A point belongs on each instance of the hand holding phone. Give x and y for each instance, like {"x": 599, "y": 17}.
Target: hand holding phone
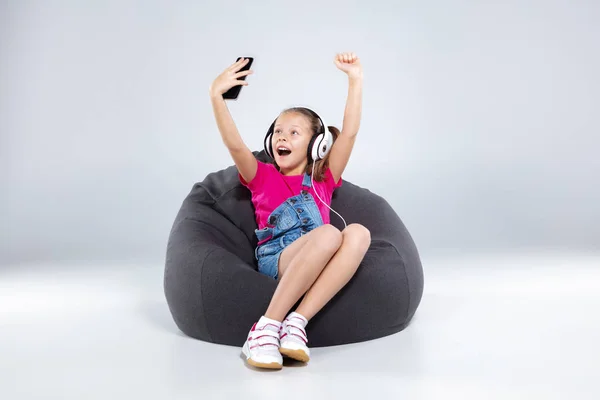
{"x": 229, "y": 83}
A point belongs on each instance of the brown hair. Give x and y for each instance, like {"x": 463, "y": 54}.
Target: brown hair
{"x": 321, "y": 165}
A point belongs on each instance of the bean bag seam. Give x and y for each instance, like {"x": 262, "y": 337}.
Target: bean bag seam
{"x": 215, "y": 198}
{"x": 408, "y": 308}
{"x": 202, "y": 294}
{"x": 216, "y": 201}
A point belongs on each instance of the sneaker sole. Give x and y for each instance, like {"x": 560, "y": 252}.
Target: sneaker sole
{"x": 298, "y": 355}
{"x": 250, "y": 361}
{"x": 272, "y": 365}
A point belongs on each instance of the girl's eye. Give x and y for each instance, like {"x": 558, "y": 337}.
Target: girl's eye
{"x": 278, "y": 131}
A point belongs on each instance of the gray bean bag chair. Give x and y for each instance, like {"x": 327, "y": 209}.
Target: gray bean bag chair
{"x": 215, "y": 293}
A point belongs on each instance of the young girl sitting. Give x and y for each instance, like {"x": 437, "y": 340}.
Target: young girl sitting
{"x": 297, "y": 245}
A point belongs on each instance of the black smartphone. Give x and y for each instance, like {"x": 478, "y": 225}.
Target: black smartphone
{"x": 234, "y": 92}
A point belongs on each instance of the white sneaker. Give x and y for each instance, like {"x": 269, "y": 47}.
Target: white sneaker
{"x": 293, "y": 339}
{"x": 262, "y": 346}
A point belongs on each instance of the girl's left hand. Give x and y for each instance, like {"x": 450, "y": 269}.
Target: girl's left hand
{"x": 349, "y": 63}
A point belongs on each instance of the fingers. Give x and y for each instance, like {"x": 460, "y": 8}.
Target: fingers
{"x": 243, "y": 73}
{"x": 238, "y": 64}
{"x": 346, "y": 57}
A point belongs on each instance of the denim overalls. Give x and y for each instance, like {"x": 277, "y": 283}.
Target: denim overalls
{"x": 293, "y": 218}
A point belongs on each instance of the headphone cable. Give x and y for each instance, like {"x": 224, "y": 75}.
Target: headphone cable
{"x": 319, "y": 197}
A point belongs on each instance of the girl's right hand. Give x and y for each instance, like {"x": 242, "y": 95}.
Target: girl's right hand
{"x": 229, "y": 78}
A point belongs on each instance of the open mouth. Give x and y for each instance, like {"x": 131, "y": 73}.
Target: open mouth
{"x": 283, "y": 151}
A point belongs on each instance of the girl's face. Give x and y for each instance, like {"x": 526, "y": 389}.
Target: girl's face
{"x": 291, "y": 136}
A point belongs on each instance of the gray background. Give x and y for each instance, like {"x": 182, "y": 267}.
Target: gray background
{"x": 480, "y": 123}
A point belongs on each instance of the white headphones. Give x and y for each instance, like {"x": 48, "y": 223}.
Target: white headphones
{"x": 318, "y": 147}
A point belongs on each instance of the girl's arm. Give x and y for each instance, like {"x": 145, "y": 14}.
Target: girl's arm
{"x": 340, "y": 152}
{"x": 242, "y": 156}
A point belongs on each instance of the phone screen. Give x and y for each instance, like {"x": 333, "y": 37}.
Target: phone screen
{"x": 234, "y": 92}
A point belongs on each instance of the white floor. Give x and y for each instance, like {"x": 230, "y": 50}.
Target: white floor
{"x": 510, "y": 327}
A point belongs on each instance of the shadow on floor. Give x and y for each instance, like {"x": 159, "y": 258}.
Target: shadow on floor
{"x": 157, "y": 314}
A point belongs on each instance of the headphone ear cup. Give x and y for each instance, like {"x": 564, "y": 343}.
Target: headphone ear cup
{"x": 322, "y": 145}
{"x": 311, "y": 148}
{"x": 268, "y": 144}
{"x": 328, "y": 142}
{"x": 317, "y": 147}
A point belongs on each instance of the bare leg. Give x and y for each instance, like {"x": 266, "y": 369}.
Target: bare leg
{"x": 356, "y": 240}
{"x": 311, "y": 253}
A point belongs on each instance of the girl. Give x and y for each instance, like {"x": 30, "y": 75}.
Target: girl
{"x": 297, "y": 245}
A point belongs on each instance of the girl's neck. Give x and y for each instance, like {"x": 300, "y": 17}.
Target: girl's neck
{"x": 299, "y": 170}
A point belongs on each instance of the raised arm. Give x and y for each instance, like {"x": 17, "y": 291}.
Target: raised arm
{"x": 340, "y": 152}
{"x": 242, "y": 156}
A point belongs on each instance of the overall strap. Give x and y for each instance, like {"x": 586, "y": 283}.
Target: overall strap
{"x": 306, "y": 180}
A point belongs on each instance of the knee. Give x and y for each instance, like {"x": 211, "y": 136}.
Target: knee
{"x": 357, "y": 236}
{"x": 330, "y": 238}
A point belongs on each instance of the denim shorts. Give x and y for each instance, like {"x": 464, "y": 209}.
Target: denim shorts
{"x": 295, "y": 217}
{"x": 268, "y": 253}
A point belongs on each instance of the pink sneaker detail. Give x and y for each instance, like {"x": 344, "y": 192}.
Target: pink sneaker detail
{"x": 262, "y": 346}
{"x": 293, "y": 338}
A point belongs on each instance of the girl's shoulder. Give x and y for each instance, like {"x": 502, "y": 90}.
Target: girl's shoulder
{"x": 263, "y": 172}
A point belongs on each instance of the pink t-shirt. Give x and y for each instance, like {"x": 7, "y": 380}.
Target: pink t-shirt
{"x": 269, "y": 190}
